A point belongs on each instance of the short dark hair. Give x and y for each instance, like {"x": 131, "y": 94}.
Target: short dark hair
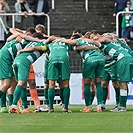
{"x": 75, "y": 36}
{"x": 77, "y": 30}
{"x": 31, "y": 30}
{"x": 38, "y": 35}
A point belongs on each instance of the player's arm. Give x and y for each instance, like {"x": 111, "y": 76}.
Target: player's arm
{"x": 104, "y": 40}
{"x": 15, "y": 30}
{"x": 86, "y": 48}
{"x": 29, "y": 38}
{"x": 96, "y": 43}
{"x": 50, "y": 39}
{"x": 12, "y": 37}
{"x": 68, "y": 41}
{"x": 31, "y": 49}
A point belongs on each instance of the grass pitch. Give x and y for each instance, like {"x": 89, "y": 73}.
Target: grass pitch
{"x": 105, "y": 122}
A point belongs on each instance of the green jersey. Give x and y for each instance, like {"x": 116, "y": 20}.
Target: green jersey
{"x": 126, "y": 47}
{"x": 31, "y": 56}
{"x": 11, "y": 48}
{"x": 59, "y": 49}
{"x": 87, "y": 53}
{"x": 113, "y": 50}
{"x": 46, "y": 61}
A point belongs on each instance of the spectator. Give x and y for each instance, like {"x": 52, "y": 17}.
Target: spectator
{"x": 126, "y": 21}
{"x": 119, "y": 6}
{"x": 42, "y": 7}
{"x": 3, "y": 9}
{"x": 21, "y": 6}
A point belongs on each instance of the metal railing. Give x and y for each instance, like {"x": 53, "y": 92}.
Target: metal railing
{"x": 3, "y": 25}
{"x": 13, "y": 19}
{"x": 117, "y": 20}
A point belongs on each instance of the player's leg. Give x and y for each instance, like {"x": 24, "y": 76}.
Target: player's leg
{"x": 61, "y": 94}
{"x": 117, "y": 94}
{"x": 51, "y": 94}
{"x": 123, "y": 65}
{"x": 53, "y": 75}
{"x": 5, "y": 85}
{"x": 4, "y": 108}
{"x": 93, "y": 90}
{"x": 10, "y": 91}
{"x": 21, "y": 73}
{"x": 88, "y": 70}
{"x": 33, "y": 90}
{"x": 66, "y": 94}
{"x": 17, "y": 94}
{"x": 105, "y": 93}
{"x": 87, "y": 94}
{"x": 99, "y": 94}
{"x": 64, "y": 76}
{"x": 98, "y": 78}
{"x": 46, "y": 101}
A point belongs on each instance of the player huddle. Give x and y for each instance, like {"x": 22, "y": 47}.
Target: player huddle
{"x": 105, "y": 57}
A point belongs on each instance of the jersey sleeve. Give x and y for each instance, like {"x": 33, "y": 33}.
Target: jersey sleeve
{"x": 44, "y": 48}
{"x": 24, "y": 42}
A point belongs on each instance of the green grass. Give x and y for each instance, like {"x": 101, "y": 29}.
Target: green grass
{"x": 106, "y": 122}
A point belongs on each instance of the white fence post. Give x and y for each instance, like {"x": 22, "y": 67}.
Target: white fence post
{"x": 53, "y": 4}
{"x": 86, "y": 5}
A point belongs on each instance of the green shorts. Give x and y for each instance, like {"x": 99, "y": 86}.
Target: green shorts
{"x": 93, "y": 67}
{"x": 124, "y": 69}
{"x": 109, "y": 73}
{"x": 59, "y": 68}
{"x": 6, "y": 70}
{"x": 21, "y": 69}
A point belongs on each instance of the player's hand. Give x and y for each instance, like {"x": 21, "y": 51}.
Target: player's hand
{"x": 19, "y": 38}
{"x": 23, "y": 36}
{"x": 19, "y": 52}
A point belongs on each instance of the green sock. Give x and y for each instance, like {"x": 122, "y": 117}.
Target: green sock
{"x": 127, "y": 90}
{"x": 105, "y": 94}
{"x": 99, "y": 93}
{"x": 24, "y": 98}
{"x": 87, "y": 94}
{"x": 3, "y": 100}
{"x": 92, "y": 96}
{"x": 17, "y": 94}
{"x": 46, "y": 96}
{"x": 10, "y": 98}
{"x": 123, "y": 98}
{"x": 1, "y": 93}
{"x": 117, "y": 95}
{"x": 66, "y": 95}
{"x": 61, "y": 95}
{"x": 51, "y": 94}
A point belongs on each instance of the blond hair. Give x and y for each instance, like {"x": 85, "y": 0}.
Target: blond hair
{"x": 40, "y": 28}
